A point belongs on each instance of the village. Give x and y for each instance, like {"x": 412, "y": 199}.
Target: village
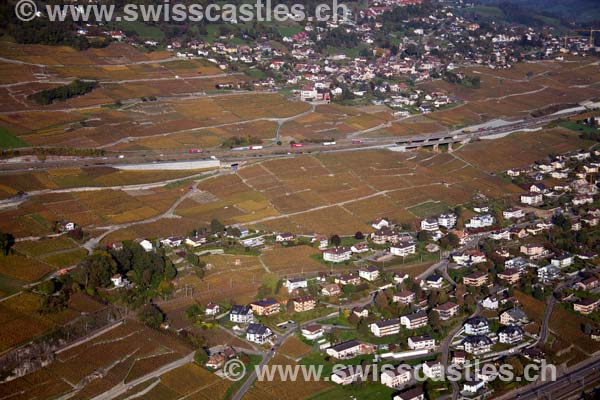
{"x": 352, "y": 61}
{"x": 464, "y": 308}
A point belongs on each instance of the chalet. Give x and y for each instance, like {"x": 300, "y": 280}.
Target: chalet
{"x": 477, "y": 344}
{"x": 532, "y": 249}
{"x": 370, "y": 273}
{"x": 476, "y": 279}
{"x": 586, "y": 306}
{"x": 117, "y": 280}
{"x": 350, "y": 349}
{"x": 305, "y": 303}
{"x": 510, "y": 275}
{"x": 518, "y": 263}
{"x": 433, "y": 369}
{"x": 411, "y": 394}
{"x": 548, "y": 273}
{"x": 424, "y": 342}
{"x": 434, "y": 282}
{"x": 414, "y": 321}
{"x": 459, "y": 357}
{"x": 481, "y": 209}
{"x": 404, "y": 297}
{"x": 253, "y": 242}
{"x": 295, "y": 284}
{"x": 258, "y": 333}
{"x": 241, "y": 314}
{"x": 312, "y": 332}
{"x": 500, "y": 235}
{"x": 520, "y": 233}
{"x": 476, "y": 326}
{"x": 490, "y": 303}
{"x": 513, "y": 213}
{"x": 285, "y": 237}
{"x": 582, "y": 199}
{"x": 380, "y": 223}
{"x": 337, "y": 254}
{"x": 447, "y": 310}
{"x": 196, "y": 241}
{"x": 345, "y": 376}
{"x": 348, "y": 279}
{"x": 146, "y": 245}
{"x": 321, "y": 240}
{"x": 588, "y": 284}
{"x": 360, "y": 311}
{"x": 590, "y": 219}
{"x": 359, "y": 248}
{"x": 384, "y": 235}
{"x": 403, "y": 249}
{"x": 511, "y": 334}
{"x": 212, "y": 309}
{"x": 385, "y": 328}
{"x": 331, "y": 290}
{"x": 532, "y": 199}
{"x": 513, "y": 316}
{"x": 397, "y": 377}
{"x": 473, "y": 386}
{"x": 173, "y": 241}
{"x": 265, "y": 307}
{"x": 480, "y": 221}
{"x": 562, "y": 261}
{"x": 215, "y": 361}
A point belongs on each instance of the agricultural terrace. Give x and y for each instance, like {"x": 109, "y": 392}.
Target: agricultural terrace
{"x": 126, "y": 353}
{"x": 518, "y": 91}
{"x": 22, "y": 320}
{"x": 288, "y": 390}
{"x": 13, "y": 183}
{"x": 173, "y": 123}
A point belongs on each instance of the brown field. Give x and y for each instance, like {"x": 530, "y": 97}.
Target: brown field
{"x": 126, "y": 349}
{"x": 22, "y": 322}
{"x": 278, "y": 390}
{"x": 292, "y": 260}
{"x": 295, "y": 348}
{"x": 24, "y": 269}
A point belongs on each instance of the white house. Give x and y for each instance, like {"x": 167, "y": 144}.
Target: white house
{"x": 430, "y": 224}
{"x": 414, "y": 321}
{"x": 241, "y": 314}
{"x": 448, "y": 220}
{"x": 424, "y": 342}
{"x": 312, "y": 332}
{"x": 380, "y": 223}
{"x": 345, "y": 376}
{"x": 511, "y": 334}
{"x": 480, "y": 221}
{"x": 562, "y": 261}
{"x": 369, "y": 273}
{"x": 513, "y": 213}
{"x": 258, "y": 333}
{"x": 477, "y": 326}
{"x": 433, "y": 369}
{"x": 478, "y": 344}
{"x": 473, "y": 386}
{"x": 295, "y": 283}
{"x": 396, "y": 377}
{"x": 146, "y": 245}
{"x": 403, "y": 249}
{"x": 212, "y": 309}
{"x": 386, "y": 327}
{"x": 349, "y": 349}
{"x": 117, "y": 280}
{"x": 337, "y": 254}
{"x": 532, "y": 198}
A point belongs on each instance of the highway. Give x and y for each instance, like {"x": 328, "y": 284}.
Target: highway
{"x": 116, "y": 159}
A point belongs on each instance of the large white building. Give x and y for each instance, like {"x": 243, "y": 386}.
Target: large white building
{"x": 448, "y": 220}
{"x": 403, "y": 249}
{"x": 337, "y": 254}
